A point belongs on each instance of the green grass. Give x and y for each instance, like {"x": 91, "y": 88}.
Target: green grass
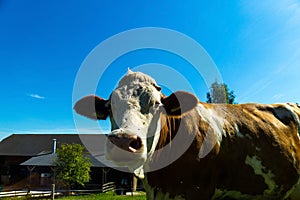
{"x": 105, "y": 196}
{"x": 101, "y": 196}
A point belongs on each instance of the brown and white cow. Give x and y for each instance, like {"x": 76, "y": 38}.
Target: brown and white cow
{"x": 252, "y": 150}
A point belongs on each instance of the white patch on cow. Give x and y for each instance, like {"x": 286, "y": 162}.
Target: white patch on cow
{"x": 215, "y": 131}
{"x": 133, "y": 106}
{"x": 259, "y": 169}
{"x": 139, "y": 172}
{"x": 152, "y": 138}
{"x": 156, "y": 134}
{"x": 297, "y": 120}
{"x": 282, "y": 113}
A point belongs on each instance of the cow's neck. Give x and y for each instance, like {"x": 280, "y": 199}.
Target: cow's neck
{"x": 191, "y": 134}
{"x": 170, "y": 125}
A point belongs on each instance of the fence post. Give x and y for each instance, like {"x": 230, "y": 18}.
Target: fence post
{"x": 53, "y": 192}
{"x": 134, "y": 185}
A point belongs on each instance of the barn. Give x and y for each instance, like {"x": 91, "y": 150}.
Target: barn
{"x": 27, "y": 160}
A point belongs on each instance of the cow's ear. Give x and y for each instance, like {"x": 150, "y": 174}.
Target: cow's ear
{"x": 92, "y": 107}
{"x": 179, "y": 102}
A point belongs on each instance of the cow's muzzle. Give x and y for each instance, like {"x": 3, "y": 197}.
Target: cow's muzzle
{"x": 127, "y": 142}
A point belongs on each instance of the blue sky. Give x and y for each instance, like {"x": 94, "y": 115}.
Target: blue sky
{"x": 255, "y": 45}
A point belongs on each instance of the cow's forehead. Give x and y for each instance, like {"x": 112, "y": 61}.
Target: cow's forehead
{"x": 136, "y": 77}
{"x": 131, "y": 101}
{"x": 133, "y": 85}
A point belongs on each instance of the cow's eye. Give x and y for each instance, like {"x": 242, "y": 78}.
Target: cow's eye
{"x": 138, "y": 91}
{"x": 145, "y": 102}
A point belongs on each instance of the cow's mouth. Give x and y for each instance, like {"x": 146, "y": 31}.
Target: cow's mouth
{"x": 126, "y": 142}
{"x": 124, "y": 149}
{"x": 135, "y": 145}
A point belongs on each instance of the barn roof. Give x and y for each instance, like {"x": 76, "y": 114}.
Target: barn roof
{"x": 38, "y": 144}
{"x": 48, "y": 160}
{"x": 39, "y": 147}
{"x": 43, "y": 160}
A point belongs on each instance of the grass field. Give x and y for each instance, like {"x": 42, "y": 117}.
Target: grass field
{"x": 102, "y": 196}
{"x": 105, "y": 196}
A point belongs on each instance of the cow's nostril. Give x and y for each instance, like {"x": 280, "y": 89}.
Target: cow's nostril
{"x": 136, "y": 143}
{"x": 131, "y": 143}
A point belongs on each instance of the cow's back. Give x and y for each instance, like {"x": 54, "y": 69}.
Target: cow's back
{"x": 258, "y": 156}
{"x": 260, "y": 151}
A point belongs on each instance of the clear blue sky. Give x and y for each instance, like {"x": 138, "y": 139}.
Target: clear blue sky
{"x": 255, "y": 45}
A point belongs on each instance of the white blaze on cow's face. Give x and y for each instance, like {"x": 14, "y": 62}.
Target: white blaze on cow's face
{"x": 133, "y": 105}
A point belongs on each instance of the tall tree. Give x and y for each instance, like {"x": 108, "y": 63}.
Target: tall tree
{"x": 72, "y": 166}
{"x": 219, "y": 93}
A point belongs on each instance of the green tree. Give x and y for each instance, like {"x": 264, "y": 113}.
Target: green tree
{"x": 72, "y": 165}
{"x": 219, "y": 93}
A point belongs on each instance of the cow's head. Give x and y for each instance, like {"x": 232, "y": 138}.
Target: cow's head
{"x": 134, "y": 108}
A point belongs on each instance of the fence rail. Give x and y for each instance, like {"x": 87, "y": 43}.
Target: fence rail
{"x": 111, "y": 186}
{"x": 108, "y": 186}
{"x": 19, "y": 193}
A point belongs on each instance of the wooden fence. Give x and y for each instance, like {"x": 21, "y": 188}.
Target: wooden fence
{"x": 108, "y": 186}
{"x": 47, "y": 193}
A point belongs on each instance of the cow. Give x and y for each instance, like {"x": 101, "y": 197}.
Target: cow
{"x": 185, "y": 149}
